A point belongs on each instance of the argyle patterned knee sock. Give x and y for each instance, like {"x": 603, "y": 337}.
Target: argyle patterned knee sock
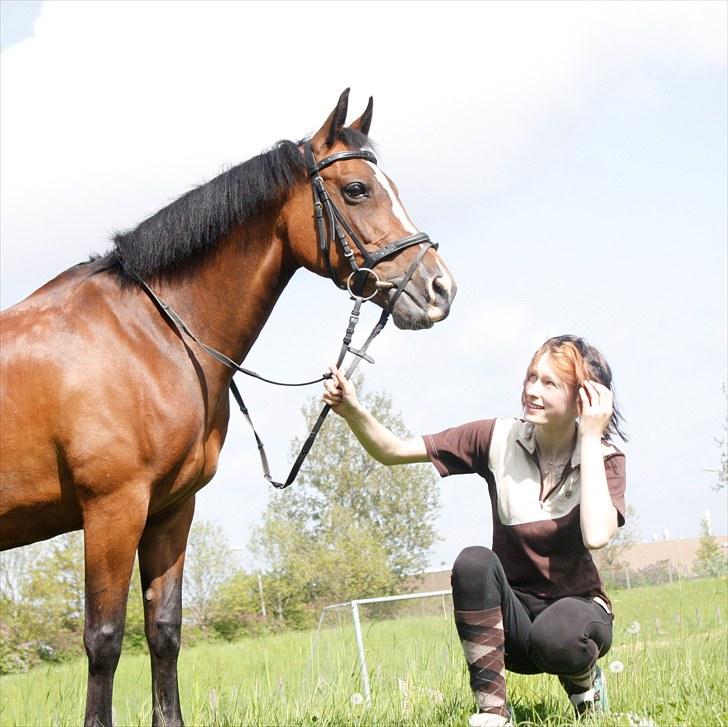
{"x": 482, "y": 638}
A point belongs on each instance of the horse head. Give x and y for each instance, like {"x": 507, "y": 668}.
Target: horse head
{"x": 361, "y": 235}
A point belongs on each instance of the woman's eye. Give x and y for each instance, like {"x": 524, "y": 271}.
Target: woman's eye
{"x": 355, "y": 190}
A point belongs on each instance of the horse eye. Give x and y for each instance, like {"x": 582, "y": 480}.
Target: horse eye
{"x": 355, "y": 190}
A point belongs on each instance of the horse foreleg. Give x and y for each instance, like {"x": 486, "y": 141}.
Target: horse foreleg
{"x": 161, "y": 560}
{"x": 112, "y": 528}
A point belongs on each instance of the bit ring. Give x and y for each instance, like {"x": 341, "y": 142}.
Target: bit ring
{"x": 369, "y": 271}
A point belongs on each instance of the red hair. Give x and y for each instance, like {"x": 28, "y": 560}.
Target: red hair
{"x": 576, "y": 362}
{"x": 566, "y": 359}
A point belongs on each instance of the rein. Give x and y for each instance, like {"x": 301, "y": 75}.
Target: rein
{"x": 331, "y": 226}
{"x": 358, "y": 356}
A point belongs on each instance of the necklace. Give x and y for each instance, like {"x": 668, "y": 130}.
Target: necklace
{"x": 556, "y": 464}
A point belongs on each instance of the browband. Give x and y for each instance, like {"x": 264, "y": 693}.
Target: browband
{"x": 326, "y": 161}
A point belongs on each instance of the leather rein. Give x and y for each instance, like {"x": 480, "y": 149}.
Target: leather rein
{"x": 331, "y": 227}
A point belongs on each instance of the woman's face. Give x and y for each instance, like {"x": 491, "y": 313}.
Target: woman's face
{"x": 548, "y": 398}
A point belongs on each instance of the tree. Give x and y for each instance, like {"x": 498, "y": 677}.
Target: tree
{"x": 349, "y": 527}
{"x": 722, "y": 482}
{"x": 611, "y": 556}
{"x": 611, "y": 559}
{"x": 54, "y": 594}
{"x": 18, "y": 645}
{"x": 42, "y": 604}
{"x": 710, "y": 560}
{"x": 237, "y": 609}
{"x": 305, "y": 570}
{"x": 208, "y": 565}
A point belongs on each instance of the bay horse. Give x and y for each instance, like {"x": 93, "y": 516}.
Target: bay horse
{"x": 112, "y": 419}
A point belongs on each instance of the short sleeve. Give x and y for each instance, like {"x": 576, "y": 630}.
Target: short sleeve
{"x": 461, "y": 450}
{"x": 615, "y": 469}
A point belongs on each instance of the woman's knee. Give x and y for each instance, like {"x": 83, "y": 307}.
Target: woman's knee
{"x": 561, "y": 652}
{"x": 472, "y": 560}
{"x": 567, "y": 639}
{"x": 476, "y": 579}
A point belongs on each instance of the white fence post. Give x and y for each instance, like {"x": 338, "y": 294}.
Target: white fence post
{"x": 362, "y": 657}
{"x": 262, "y": 599}
{"x": 357, "y": 629}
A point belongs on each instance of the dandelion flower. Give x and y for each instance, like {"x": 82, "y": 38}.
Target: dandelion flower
{"x": 616, "y": 667}
{"x": 634, "y": 628}
{"x": 357, "y": 699}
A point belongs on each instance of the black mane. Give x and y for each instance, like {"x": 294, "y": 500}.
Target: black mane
{"x": 193, "y": 223}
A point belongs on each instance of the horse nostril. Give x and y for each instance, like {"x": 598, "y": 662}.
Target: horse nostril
{"x": 441, "y": 288}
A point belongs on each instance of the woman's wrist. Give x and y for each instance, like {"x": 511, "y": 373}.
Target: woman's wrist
{"x": 355, "y": 413}
{"x": 586, "y": 436}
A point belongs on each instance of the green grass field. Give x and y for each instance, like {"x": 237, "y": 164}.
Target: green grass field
{"x": 675, "y": 664}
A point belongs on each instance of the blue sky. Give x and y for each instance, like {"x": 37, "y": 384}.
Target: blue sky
{"x": 18, "y": 18}
{"x": 570, "y": 158}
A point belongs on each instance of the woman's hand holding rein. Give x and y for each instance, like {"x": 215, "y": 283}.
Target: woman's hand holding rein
{"x": 340, "y": 394}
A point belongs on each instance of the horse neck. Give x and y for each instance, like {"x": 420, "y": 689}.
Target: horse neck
{"x": 226, "y": 298}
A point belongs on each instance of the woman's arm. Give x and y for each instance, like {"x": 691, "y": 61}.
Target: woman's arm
{"x": 598, "y": 516}
{"x": 383, "y": 445}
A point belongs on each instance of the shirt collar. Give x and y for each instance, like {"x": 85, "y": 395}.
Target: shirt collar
{"x": 527, "y": 439}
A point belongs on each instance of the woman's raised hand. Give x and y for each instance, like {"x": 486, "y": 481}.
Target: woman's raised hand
{"x": 595, "y": 409}
{"x": 339, "y": 393}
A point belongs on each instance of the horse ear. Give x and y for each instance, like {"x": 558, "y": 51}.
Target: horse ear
{"x": 363, "y": 123}
{"x": 326, "y": 135}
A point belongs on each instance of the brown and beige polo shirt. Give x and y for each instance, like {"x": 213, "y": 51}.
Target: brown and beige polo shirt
{"x": 536, "y": 534}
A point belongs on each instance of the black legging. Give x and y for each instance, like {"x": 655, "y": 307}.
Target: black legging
{"x": 564, "y": 637}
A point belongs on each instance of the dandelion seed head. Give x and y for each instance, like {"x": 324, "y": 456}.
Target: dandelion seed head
{"x": 357, "y": 699}
{"x": 634, "y": 627}
{"x": 631, "y": 719}
{"x": 616, "y": 667}
{"x": 435, "y": 696}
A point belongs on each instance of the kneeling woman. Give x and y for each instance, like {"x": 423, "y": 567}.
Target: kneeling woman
{"x": 535, "y": 602}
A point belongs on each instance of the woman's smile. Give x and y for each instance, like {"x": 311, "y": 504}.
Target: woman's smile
{"x": 548, "y": 399}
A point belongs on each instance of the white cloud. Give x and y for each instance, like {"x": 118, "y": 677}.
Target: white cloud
{"x": 114, "y": 108}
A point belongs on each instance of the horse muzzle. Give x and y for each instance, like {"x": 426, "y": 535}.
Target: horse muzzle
{"x": 425, "y": 300}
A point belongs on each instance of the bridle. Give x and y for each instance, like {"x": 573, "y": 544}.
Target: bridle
{"x": 331, "y": 225}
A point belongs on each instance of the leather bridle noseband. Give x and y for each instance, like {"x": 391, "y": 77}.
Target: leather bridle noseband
{"x": 331, "y": 225}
